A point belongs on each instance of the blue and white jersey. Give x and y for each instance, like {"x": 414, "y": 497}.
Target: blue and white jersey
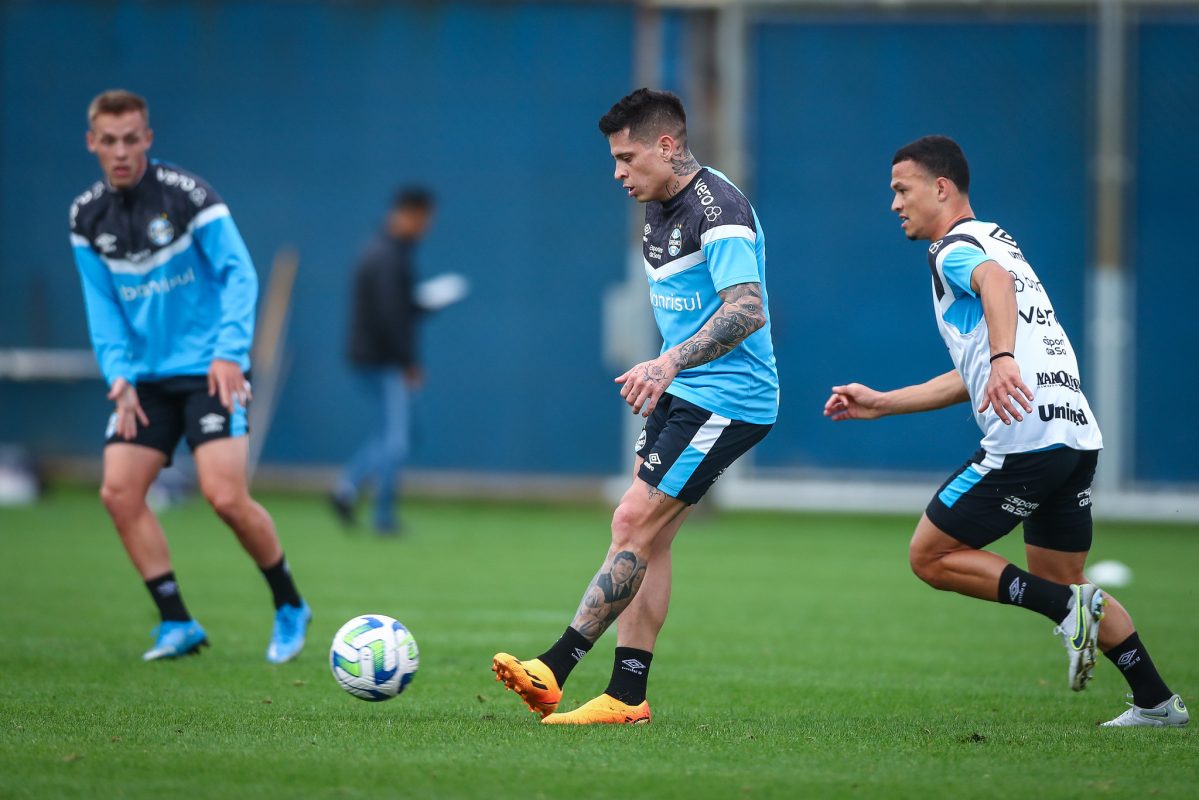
{"x": 167, "y": 280}
{"x": 701, "y": 241}
{"x": 1061, "y": 415}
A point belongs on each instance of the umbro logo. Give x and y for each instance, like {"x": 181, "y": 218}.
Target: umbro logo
{"x": 1126, "y": 660}
{"x": 1016, "y": 591}
{"x": 168, "y": 588}
{"x": 655, "y": 459}
{"x": 634, "y": 666}
{"x": 579, "y": 653}
{"x": 212, "y": 423}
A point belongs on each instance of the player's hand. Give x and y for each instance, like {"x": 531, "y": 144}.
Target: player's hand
{"x": 226, "y": 379}
{"x": 1003, "y": 386}
{"x": 854, "y": 401}
{"x": 643, "y": 385}
{"x": 414, "y": 377}
{"x": 129, "y": 409}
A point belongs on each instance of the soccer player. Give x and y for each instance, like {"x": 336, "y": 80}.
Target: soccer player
{"x": 170, "y": 293}
{"x": 710, "y": 396}
{"x": 1014, "y": 363}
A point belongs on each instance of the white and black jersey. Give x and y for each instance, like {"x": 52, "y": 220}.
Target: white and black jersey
{"x": 1061, "y": 415}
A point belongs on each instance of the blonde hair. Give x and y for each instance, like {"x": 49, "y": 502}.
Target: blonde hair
{"x": 117, "y": 101}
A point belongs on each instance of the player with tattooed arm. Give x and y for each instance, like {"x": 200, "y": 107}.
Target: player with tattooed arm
{"x": 710, "y": 396}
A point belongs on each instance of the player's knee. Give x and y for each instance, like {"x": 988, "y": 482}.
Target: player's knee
{"x": 226, "y": 501}
{"x": 630, "y": 530}
{"x": 120, "y": 501}
{"x": 927, "y": 567}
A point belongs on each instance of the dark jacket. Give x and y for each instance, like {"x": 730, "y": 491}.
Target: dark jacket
{"x": 384, "y": 314}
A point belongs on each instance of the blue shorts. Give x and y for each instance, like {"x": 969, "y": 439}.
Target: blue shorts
{"x": 1047, "y": 490}
{"x": 686, "y": 447}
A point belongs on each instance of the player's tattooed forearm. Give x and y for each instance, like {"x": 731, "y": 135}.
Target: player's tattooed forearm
{"x": 739, "y": 317}
{"x": 683, "y": 163}
{"x": 610, "y": 592}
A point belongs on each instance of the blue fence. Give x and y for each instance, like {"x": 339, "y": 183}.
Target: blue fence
{"x": 305, "y": 115}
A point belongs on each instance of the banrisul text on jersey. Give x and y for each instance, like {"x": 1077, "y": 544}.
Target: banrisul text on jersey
{"x": 701, "y": 241}
{"x": 167, "y": 279}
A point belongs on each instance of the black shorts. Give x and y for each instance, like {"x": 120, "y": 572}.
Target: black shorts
{"x": 686, "y": 447}
{"x": 178, "y": 407}
{"x": 1048, "y": 490}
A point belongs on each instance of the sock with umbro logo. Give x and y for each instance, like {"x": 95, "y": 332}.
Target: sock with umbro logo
{"x": 1020, "y": 588}
{"x": 564, "y": 654}
{"x": 165, "y": 592}
{"x": 1148, "y": 688}
{"x": 630, "y": 675}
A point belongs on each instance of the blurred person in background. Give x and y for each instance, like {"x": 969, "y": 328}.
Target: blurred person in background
{"x": 170, "y": 292}
{"x": 384, "y": 353}
{"x": 1035, "y": 466}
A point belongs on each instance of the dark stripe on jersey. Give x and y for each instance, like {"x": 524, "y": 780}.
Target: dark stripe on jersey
{"x": 935, "y": 248}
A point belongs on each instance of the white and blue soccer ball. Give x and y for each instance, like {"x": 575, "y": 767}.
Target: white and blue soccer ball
{"x": 374, "y": 657}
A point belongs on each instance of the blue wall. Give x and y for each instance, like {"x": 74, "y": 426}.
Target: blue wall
{"x": 305, "y": 116}
{"x": 1166, "y": 269}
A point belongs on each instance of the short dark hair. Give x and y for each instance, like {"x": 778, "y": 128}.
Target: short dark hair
{"x": 647, "y": 114}
{"x": 940, "y": 156}
{"x": 117, "y": 101}
{"x": 416, "y": 198}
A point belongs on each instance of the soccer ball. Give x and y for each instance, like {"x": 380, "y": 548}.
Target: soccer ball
{"x": 373, "y": 657}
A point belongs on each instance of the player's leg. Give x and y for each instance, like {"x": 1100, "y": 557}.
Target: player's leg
{"x": 130, "y": 467}
{"x": 221, "y": 454}
{"x": 643, "y": 514}
{"x": 979, "y": 504}
{"x": 1057, "y": 541}
{"x": 690, "y": 453}
{"x": 393, "y": 449}
{"x": 129, "y": 470}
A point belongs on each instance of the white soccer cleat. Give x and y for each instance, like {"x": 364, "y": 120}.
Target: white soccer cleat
{"x": 1080, "y": 631}
{"x": 1169, "y": 714}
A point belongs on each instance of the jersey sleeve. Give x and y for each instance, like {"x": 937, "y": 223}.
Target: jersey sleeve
{"x": 732, "y": 259}
{"x": 106, "y": 323}
{"x": 728, "y": 233}
{"x": 220, "y": 241}
{"x": 958, "y": 264}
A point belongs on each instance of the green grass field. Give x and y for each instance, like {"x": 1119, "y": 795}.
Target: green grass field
{"x": 801, "y": 659}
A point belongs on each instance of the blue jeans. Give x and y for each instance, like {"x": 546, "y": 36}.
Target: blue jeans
{"x": 381, "y": 456}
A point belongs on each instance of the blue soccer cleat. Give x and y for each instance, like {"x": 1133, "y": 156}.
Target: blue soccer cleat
{"x": 287, "y": 638}
{"x": 174, "y": 639}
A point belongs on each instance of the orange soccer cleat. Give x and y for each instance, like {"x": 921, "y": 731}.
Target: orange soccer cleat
{"x": 532, "y": 680}
{"x": 603, "y": 710}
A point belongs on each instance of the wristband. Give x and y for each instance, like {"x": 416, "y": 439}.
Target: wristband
{"x": 1002, "y": 355}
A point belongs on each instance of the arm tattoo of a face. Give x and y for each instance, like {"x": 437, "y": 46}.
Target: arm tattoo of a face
{"x": 740, "y": 315}
{"x": 683, "y": 163}
{"x": 609, "y": 593}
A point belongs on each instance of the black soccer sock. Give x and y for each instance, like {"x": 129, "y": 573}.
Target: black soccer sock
{"x": 165, "y": 592}
{"x": 282, "y": 586}
{"x": 1020, "y": 588}
{"x": 1148, "y": 688}
{"x": 630, "y": 674}
{"x": 565, "y": 653}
